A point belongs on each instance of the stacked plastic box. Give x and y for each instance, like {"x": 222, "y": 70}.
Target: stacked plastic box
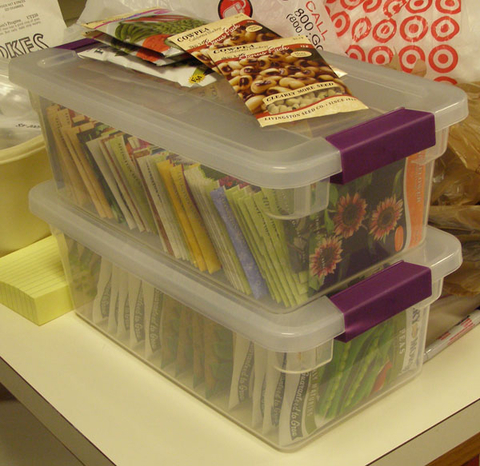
{"x": 248, "y": 249}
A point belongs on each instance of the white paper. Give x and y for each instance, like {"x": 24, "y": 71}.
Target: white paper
{"x": 29, "y": 25}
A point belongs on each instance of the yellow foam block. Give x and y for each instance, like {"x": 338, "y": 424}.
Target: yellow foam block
{"x": 33, "y": 284}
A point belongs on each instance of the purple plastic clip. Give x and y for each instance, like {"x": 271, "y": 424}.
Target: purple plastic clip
{"x": 383, "y": 140}
{"x": 381, "y": 296}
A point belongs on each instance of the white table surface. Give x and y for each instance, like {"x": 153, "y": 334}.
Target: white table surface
{"x": 76, "y": 380}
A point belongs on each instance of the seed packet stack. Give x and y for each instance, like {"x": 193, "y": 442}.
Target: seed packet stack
{"x": 234, "y": 230}
{"x": 240, "y": 376}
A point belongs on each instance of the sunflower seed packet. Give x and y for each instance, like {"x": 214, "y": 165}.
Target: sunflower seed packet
{"x": 367, "y": 221}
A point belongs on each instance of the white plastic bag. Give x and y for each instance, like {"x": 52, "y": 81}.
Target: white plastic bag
{"x": 443, "y": 34}
{"x": 286, "y": 17}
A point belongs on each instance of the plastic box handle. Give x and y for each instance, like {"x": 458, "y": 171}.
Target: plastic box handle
{"x": 381, "y": 296}
{"x": 383, "y": 140}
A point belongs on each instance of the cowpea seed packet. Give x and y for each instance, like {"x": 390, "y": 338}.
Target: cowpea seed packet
{"x": 284, "y": 80}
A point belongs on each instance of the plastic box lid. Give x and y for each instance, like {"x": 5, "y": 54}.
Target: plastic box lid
{"x": 305, "y": 328}
{"x": 221, "y": 133}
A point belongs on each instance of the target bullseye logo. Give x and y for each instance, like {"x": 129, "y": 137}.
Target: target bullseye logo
{"x": 381, "y": 55}
{"x": 414, "y": 28}
{"x": 418, "y": 6}
{"x": 445, "y": 28}
{"x": 392, "y": 7}
{"x": 445, "y": 79}
{"x": 449, "y": 7}
{"x": 361, "y": 29}
{"x": 384, "y": 30}
{"x": 341, "y": 21}
{"x": 356, "y": 52}
{"x": 371, "y": 5}
{"x": 443, "y": 58}
{"x": 350, "y": 4}
{"x": 409, "y": 56}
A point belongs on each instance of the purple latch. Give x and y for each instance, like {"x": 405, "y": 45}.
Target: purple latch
{"x": 378, "y": 142}
{"x": 381, "y": 296}
{"x": 78, "y": 45}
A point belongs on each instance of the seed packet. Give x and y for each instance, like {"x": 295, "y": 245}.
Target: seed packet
{"x": 101, "y": 303}
{"x": 137, "y": 313}
{"x": 243, "y": 370}
{"x": 201, "y": 186}
{"x": 284, "y": 80}
{"x": 149, "y": 28}
{"x": 187, "y": 74}
{"x": 232, "y": 30}
{"x": 367, "y": 221}
{"x": 366, "y": 367}
{"x": 114, "y": 301}
{"x": 274, "y": 394}
{"x": 155, "y": 58}
{"x": 198, "y": 349}
{"x": 123, "y": 324}
{"x": 244, "y": 254}
{"x": 259, "y": 385}
{"x": 169, "y": 330}
{"x": 153, "y": 300}
{"x": 218, "y": 342}
{"x": 184, "y": 359}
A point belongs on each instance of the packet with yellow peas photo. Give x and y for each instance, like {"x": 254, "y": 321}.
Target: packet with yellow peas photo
{"x": 284, "y": 80}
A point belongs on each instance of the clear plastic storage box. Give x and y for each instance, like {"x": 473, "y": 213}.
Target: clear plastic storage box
{"x": 284, "y": 377}
{"x": 281, "y": 214}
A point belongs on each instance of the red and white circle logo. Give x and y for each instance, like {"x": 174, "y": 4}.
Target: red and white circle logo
{"x": 418, "y": 6}
{"x": 443, "y": 59}
{"x": 371, "y": 5}
{"x": 384, "y": 30}
{"x": 361, "y": 29}
{"x": 341, "y": 22}
{"x": 449, "y": 7}
{"x": 445, "y": 79}
{"x": 409, "y": 55}
{"x": 350, "y": 4}
{"x": 414, "y": 28}
{"x": 445, "y": 28}
{"x": 233, "y": 7}
{"x": 392, "y": 7}
{"x": 381, "y": 55}
{"x": 356, "y": 52}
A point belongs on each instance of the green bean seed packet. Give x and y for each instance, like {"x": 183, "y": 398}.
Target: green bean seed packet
{"x": 148, "y": 28}
{"x": 361, "y": 370}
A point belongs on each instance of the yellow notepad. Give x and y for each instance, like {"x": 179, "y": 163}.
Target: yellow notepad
{"x": 33, "y": 284}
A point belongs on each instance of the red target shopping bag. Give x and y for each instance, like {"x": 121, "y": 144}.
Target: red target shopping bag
{"x": 438, "y": 36}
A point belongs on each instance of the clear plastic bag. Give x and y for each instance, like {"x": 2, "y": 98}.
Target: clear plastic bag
{"x": 18, "y": 121}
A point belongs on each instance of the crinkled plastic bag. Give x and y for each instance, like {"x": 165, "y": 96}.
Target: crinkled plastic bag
{"x": 18, "y": 121}
{"x": 286, "y": 17}
{"x": 443, "y": 34}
